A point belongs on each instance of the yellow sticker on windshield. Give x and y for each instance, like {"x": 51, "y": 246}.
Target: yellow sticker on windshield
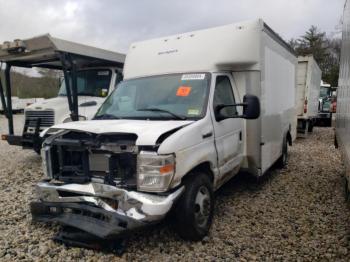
{"x": 193, "y": 112}
{"x": 104, "y": 92}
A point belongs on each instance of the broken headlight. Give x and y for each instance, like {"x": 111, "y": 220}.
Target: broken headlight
{"x": 46, "y": 161}
{"x": 154, "y": 172}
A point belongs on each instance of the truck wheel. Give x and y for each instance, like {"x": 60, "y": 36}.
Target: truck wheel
{"x": 329, "y": 122}
{"x": 311, "y": 127}
{"x": 347, "y": 192}
{"x": 283, "y": 160}
{"x": 194, "y": 210}
{"x": 336, "y": 142}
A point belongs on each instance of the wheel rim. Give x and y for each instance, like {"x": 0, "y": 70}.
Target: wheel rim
{"x": 202, "y": 206}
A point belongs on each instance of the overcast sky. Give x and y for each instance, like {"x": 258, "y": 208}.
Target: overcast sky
{"x": 114, "y": 24}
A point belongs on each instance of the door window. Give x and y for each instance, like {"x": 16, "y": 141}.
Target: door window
{"x": 223, "y": 95}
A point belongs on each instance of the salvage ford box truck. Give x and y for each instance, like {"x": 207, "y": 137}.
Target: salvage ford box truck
{"x": 193, "y": 110}
{"x": 308, "y": 90}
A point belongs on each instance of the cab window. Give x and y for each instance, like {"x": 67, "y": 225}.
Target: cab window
{"x": 223, "y": 95}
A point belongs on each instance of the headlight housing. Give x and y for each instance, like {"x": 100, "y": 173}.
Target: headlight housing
{"x": 46, "y": 161}
{"x": 154, "y": 172}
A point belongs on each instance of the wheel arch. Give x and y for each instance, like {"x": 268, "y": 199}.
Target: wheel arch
{"x": 205, "y": 167}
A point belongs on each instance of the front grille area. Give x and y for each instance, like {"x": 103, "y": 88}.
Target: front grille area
{"x": 47, "y": 117}
{"x": 79, "y": 157}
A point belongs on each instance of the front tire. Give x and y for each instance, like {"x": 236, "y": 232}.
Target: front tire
{"x": 194, "y": 211}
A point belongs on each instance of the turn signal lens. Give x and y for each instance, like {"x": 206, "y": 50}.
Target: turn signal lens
{"x": 166, "y": 169}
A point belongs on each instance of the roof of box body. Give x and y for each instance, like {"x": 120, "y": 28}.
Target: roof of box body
{"x": 43, "y": 51}
{"x": 233, "y": 46}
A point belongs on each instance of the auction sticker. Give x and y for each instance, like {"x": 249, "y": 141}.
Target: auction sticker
{"x": 183, "y": 91}
{"x": 193, "y": 77}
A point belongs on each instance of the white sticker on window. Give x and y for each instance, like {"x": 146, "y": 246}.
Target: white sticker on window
{"x": 193, "y": 77}
{"x": 103, "y": 73}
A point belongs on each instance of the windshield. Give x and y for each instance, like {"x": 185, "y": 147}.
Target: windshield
{"x": 90, "y": 83}
{"x": 324, "y": 92}
{"x": 177, "y": 96}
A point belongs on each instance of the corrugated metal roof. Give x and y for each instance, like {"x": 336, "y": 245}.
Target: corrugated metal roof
{"x": 44, "y": 51}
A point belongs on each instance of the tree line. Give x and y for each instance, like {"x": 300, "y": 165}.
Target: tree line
{"x": 26, "y": 86}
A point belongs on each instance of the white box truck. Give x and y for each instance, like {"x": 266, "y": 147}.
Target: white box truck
{"x": 173, "y": 132}
{"x": 308, "y": 90}
{"x": 342, "y": 131}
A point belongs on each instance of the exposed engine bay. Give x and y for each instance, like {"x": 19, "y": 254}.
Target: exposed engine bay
{"x": 76, "y": 157}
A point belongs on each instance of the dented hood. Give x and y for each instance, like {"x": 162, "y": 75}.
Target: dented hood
{"x": 147, "y": 131}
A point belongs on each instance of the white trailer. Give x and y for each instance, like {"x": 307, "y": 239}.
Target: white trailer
{"x": 343, "y": 98}
{"x": 308, "y": 90}
{"x": 173, "y": 132}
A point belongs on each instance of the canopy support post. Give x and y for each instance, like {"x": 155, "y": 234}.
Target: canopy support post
{"x": 9, "y": 98}
{"x": 2, "y": 97}
{"x": 69, "y": 71}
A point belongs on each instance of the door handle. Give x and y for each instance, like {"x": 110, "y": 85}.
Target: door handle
{"x": 206, "y": 135}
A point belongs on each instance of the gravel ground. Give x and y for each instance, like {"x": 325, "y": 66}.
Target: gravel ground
{"x": 295, "y": 214}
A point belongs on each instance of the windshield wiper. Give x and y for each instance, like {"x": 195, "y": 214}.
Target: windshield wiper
{"x": 106, "y": 116}
{"x": 154, "y": 109}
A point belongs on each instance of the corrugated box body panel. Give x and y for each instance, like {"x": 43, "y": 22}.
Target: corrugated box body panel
{"x": 343, "y": 92}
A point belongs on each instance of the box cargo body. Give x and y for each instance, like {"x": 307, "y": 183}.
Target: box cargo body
{"x": 343, "y": 95}
{"x": 192, "y": 111}
{"x": 261, "y": 64}
{"x": 308, "y": 90}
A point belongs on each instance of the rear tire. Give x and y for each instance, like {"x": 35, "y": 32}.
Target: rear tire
{"x": 347, "y": 191}
{"x": 336, "y": 142}
{"x": 283, "y": 160}
{"x": 329, "y": 121}
{"x": 311, "y": 127}
{"x": 194, "y": 210}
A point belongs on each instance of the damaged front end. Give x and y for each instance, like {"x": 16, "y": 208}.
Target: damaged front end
{"x": 95, "y": 182}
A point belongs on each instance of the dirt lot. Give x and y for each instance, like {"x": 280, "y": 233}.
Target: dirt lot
{"x": 297, "y": 214}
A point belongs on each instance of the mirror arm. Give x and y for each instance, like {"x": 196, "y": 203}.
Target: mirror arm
{"x": 239, "y": 104}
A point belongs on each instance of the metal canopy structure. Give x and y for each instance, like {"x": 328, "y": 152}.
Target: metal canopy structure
{"x": 53, "y": 53}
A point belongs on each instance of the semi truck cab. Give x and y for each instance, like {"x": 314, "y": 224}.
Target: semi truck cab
{"x": 93, "y": 86}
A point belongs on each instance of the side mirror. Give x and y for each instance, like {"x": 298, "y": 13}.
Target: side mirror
{"x": 251, "y": 107}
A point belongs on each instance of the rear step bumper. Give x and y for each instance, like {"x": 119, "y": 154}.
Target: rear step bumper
{"x": 101, "y": 210}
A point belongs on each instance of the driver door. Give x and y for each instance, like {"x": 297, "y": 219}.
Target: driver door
{"x": 228, "y": 132}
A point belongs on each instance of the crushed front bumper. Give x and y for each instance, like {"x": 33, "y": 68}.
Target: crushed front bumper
{"x": 102, "y": 210}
